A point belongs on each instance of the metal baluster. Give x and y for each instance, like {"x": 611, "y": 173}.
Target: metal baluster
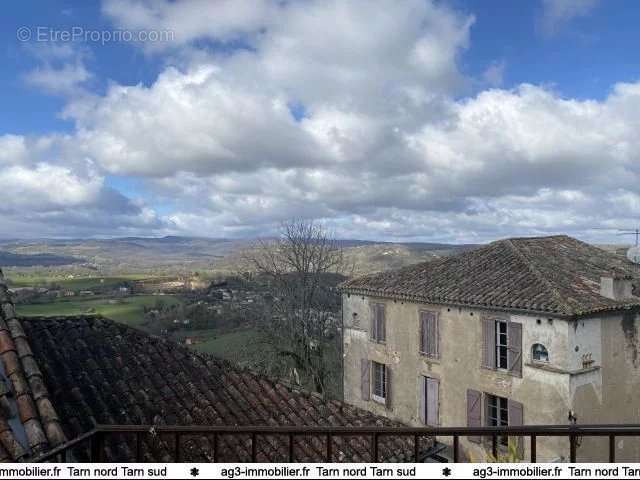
{"x": 533, "y": 449}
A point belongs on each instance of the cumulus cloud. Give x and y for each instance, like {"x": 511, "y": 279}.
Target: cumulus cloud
{"x": 45, "y": 188}
{"x": 61, "y": 69}
{"x": 494, "y": 74}
{"x": 348, "y": 112}
{"x": 558, "y": 13}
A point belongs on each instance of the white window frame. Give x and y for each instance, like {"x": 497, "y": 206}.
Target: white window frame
{"x": 500, "y": 405}
{"x": 537, "y": 360}
{"x": 502, "y": 345}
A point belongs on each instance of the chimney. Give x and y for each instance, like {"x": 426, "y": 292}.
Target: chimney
{"x": 617, "y": 286}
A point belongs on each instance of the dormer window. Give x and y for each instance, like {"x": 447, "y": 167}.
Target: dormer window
{"x": 539, "y": 353}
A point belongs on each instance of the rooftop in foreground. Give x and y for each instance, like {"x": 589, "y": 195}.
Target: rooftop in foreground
{"x": 62, "y": 376}
{"x": 557, "y": 275}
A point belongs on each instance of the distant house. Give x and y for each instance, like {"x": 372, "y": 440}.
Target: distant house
{"x": 521, "y": 331}
{"x": 68, "y": 373}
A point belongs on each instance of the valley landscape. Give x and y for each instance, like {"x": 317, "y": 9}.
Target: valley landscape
{"x": 198, "y": 291}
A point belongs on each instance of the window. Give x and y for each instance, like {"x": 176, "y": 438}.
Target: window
{"x": 502, "y": 342}
{"x": 379, "y": 376}
{"x": 539, "y": 353}
{"x": 498, "y": 414}
{"x": 502, "y": 345}
{"x": 378, "y": 324}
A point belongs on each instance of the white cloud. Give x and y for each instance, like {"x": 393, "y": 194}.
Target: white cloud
{"x": 386, "y": 147}
{"x": 558, "y": 13}
{"x": 64, "y": 80}
{"x": 494, "y": 74}
{"x": 61, "y": 69}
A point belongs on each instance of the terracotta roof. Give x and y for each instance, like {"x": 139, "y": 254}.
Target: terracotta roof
{"x": 29, "y": 424}
{"x": 101, "y": 372}
{"x": 556, "y": 275}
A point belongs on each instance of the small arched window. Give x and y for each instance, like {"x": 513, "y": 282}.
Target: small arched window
{"x": 539, "y": 353}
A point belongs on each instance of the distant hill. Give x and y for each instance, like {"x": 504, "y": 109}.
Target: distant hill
{"x": 8, "y": 259}
{"x": 175, "y": 254}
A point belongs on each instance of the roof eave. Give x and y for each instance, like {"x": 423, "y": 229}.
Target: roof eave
{"x": 434, "y": 301}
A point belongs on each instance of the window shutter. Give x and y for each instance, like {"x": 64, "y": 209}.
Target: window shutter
{"x": 373, "y": 333}
{"x": 433, "y": 393}
{"x": 429, "y": 335}
{"x": 514, "y": 352}
{"x": 489, "y": 343}
{"x": 516, "y": 419}
{"x": 387, "y": 390}
{"x": 474, "y": 412}
{"x": 433, "y": 330}
{"x": 365, "y": 379}
{"x": 382, "y": 324}
{"x": 422, "y": 397}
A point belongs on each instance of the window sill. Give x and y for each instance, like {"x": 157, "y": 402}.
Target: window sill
{"x": 503, "y": 371}
{"x": 429, "y": 358}
{"x": 380, "y": 400}
{"x": 550, "y": 368}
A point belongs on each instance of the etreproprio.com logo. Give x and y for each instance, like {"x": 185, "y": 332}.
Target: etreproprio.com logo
{"x": 81, "y": 34}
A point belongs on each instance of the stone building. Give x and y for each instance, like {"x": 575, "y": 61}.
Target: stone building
{"x": 521, "y": 331}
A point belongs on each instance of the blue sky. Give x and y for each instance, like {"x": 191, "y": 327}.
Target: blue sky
{"x": 384, "y": 107}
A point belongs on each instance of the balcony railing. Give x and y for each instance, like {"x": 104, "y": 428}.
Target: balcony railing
{"x": 97, "y": 436}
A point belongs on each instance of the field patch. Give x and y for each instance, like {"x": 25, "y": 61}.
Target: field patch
{"x": 128, "y": 310}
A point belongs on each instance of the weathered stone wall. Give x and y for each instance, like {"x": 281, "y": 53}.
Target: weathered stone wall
{"x": 611, "y": 393}
{"x": 543, "y": 390}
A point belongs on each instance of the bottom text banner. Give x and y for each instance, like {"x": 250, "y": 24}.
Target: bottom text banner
{"x": 316, "y": 470}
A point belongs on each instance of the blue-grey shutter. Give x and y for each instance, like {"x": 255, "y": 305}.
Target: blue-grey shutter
{"x": 365, "y": 379}
{"x": 387, "y": 387}
{"x": 429, "y": 334}
{"x": 373, "y": 333}
{"x": 382, "y": 323}
{"x": 433, "y": 407}
{"x": 474, "y": 412}
{"x": 516, "y": 419}
{"x": 489, "y": 343}
{"x": 422, "y": 397}
{"x": 514, "y": 352}
{"x": 434, "y": 349}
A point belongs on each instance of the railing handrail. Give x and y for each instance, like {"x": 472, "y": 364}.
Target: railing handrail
{"x": 550, "y": 430}
{"x": 572, "y": 431}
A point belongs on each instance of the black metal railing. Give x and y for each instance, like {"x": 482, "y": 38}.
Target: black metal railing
{"x": 97, "y": 436}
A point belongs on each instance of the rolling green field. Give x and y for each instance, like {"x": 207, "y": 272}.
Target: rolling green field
{"x": 77, "y": 283}
{"x": 128, "y": 310}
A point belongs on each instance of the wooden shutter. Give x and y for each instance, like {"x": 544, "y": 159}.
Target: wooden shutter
{"x": 474, "y": 412}
{"x": 489, "y": 343}
{"x": 516, "y": 419}
{"x": 373, "y": 329}
{"x": 514, "y": 352}
{"x": 382, "y": 324}
{"x": 433, "y": 400}
{"x": 422, "y": 399}
{"x": 365, "y": 379}
{"x": 429, "y": 335}
{"x": 387, "y": 383}
{"x": 423, "y": 332}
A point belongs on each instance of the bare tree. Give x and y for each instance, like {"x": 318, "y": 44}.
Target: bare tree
{"x": 303, "y": 266}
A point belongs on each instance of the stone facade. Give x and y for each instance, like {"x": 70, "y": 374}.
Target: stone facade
{"x": 592, "y": 370}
